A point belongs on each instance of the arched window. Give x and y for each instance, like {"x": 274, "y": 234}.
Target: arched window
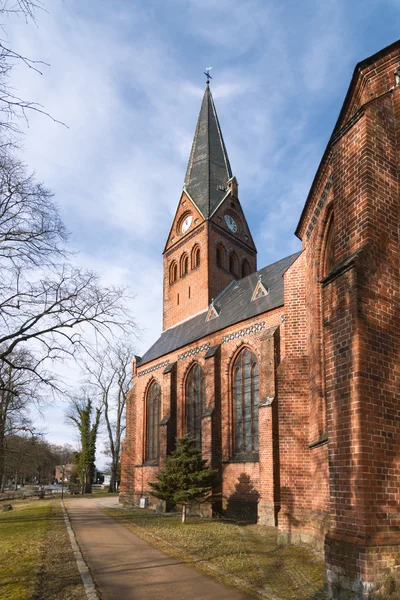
{"x": 153, "y": 413}
{"x": 220, "y": 255}
{"x": 245, "y": 268}
{"x": 195, "y": 402}
{"x": 173, "y": 272}
{"x": 184, "y": 265}
{"x": 233, "y": 264}
{"x": 245, "y": 403}
{"x": 195, "y": 257}
{"x": 329, "y": 251}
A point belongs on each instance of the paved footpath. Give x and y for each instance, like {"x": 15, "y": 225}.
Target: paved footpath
{"x": 125, "y": 567}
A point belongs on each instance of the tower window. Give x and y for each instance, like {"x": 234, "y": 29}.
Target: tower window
{"x": 195, "y": 402}
{"x": 233, "y": 264}
{"x": 245, "y": 268}
{"x": 173, "y": 272}
{"x": 245, "y": 403}
{"x": 195, "y": 257}
{"x": 220, "y": 256}
{"x": 153, "y": 410}
{"x": 184, "y": 265}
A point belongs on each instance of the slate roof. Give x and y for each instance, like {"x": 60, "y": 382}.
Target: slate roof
{"x": 234, "y": 304}
{"x": 208, "y": 165}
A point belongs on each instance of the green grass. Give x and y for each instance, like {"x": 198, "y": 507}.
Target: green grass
{"x": 245, "y": 556}
{"x": 36, "y": 558}
{"x": 102, "y": 494}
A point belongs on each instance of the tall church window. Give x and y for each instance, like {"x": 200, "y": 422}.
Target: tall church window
{"x": 220, "y": 256}
{"x": 195, "y": 257}
{"x": 245, "y": 268}
{"x": 233, "y": 264}
{"x": 245, "y": 403}
{"x": 195, "y": 402}
{"x": 329, "y": 250}
{"x": 153, "y": 413}
{"x": 173, "y": 272}
{"x": 184, "y": 265}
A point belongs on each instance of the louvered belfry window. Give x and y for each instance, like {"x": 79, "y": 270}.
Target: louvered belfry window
{"x": 153, "y": 413}
{"x": 245, "y": 403}
{"x": 195, "y": 402}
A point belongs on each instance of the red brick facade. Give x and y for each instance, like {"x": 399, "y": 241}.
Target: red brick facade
{"x": 327, "y": 469}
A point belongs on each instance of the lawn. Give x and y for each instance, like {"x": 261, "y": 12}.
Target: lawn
{"x": 245, "y": 556}
{"x": 36, "y": 558}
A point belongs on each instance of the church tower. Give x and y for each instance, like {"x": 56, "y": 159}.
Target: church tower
{"x": 209, "y": 244}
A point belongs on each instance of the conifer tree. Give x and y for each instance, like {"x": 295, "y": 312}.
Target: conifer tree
{"x": 185, "y": 477}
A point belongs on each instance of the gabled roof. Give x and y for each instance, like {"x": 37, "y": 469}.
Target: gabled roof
{"x": 234, "y": 305}
{"x": 208, "y": 170}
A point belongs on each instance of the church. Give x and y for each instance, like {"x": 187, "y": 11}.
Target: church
{"x": 287, "y": 375}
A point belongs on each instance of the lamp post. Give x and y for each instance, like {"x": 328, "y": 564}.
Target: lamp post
{"x": 62, "y": 482}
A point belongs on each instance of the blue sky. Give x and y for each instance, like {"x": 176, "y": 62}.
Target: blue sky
{"x": 127, "y": 78}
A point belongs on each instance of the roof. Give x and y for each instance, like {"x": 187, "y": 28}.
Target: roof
{"x": 208, "y": 170}
{"x": 234, "y": 305}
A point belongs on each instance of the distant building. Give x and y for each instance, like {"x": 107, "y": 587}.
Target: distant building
{"x": 67, "y": 472}
{"x": 287, "y": 376}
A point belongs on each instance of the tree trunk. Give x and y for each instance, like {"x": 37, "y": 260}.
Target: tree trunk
{"x": 2, "y": 455}
{"x": 114, "y": 468}
{"x": 183, "y": 513}
{"x": 88, "y": 483}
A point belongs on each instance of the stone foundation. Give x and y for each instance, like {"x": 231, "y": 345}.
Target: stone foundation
{"x": 360, "y": 572}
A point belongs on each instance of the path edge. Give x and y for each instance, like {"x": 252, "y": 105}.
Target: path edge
{"x": 88, "y": 583}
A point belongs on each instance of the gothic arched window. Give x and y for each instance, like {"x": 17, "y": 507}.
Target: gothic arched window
{"x": 233, "y": 264}
{"x": 329, "y": 248}
{"x": 245, "y": 403}
{"x": 153, "y": 413}
{"x": 195, "y": 257}
{"x": 220, "y": 256}
{"x": 184, "y": 265}
{"x": 245, "y": 268}
{"x": 195, "y": 402}
{"x": 173, "y": 272}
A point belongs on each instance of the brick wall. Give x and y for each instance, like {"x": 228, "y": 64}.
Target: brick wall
{"x": 357, "y": 304}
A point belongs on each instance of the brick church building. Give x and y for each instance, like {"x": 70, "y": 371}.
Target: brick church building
{"x": 287, "y": 376}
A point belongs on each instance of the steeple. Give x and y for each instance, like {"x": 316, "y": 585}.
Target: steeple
{"x": 208, "y": 171}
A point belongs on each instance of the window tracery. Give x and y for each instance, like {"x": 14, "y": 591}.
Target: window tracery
{"x": 195, "y": 402}
{"x": 245, "y": 387}
{"x": 184, "y": 265}
{"x": 153, "y": 413}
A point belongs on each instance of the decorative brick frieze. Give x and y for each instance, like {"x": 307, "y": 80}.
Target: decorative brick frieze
{"x": 194, "y": 351}
{"x": 160, "y": 365}
{"x": 243, "y": 332}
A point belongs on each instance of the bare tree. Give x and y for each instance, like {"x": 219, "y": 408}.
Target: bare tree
{"x": 18, "y": 391}
{"x": 45, "y": 303}
{"x": 31, "y": 231}
{"x": 12, "y": 107}
{"x": 110, "y": 374}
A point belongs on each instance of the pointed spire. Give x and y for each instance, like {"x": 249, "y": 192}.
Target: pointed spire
{"x": 208, "y": 170}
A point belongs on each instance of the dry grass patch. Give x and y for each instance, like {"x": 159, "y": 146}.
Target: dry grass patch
{"x": 37, "y": 562}
{"x": 245, "y": 556}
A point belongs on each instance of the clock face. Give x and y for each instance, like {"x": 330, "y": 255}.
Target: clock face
{"x": 186, "y": 223}
{"x": 230, "y": 221}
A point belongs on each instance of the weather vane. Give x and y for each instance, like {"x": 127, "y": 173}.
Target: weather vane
{"x": 207, "y": 74}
